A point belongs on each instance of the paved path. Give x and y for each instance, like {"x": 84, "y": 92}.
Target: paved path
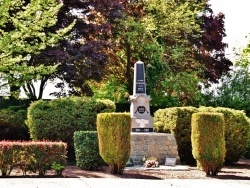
{"x": 119, "y": 183}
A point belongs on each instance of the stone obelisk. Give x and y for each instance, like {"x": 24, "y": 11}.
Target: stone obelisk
{"x": 141, "y": 118}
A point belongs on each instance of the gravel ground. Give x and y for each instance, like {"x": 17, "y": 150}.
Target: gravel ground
{"x": 239, "y": 171}
{"x": 181, "y": 176}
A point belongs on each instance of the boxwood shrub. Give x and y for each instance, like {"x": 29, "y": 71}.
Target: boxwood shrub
{"x": 87, "y": 150}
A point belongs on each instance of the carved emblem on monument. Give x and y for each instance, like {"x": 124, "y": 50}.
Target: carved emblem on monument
{"x": 142, "y": 121}
{"x": 141, "y": 110}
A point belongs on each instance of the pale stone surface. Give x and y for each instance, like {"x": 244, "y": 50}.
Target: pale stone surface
{"x": 141, "y": 119}
{"x": 159, "y": 145}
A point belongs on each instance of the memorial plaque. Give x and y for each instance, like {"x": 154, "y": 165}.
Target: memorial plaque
{"x": 140, "y": 73}
{"x": 139, "y": 78}
{"x": 141, "y": 109}
{"x": 170, "y": 161}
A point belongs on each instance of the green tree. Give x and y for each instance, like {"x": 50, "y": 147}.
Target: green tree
{"x": 111, "y": 89}
{"x": 153, "y": 32}
{"x": 233, "y": 89}
{"x": 179, "y": 89}
{"x": 25, "y": 29}
{"x": 176, "y": 39}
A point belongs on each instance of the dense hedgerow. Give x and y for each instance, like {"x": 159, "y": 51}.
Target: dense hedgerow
{"x": 177, "y": 120}
{"x": 87, "y": 150}
{"x": 114, "y": 139}
{"x": 32, "y": 156}
{"x": 208, "y": 141}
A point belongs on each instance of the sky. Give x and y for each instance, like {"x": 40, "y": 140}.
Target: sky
{"x": 237, "y": 23}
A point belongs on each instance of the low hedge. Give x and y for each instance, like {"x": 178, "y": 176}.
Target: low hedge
{"x": 208, "y": 141}
{"x": 114, "y": 139}
{"x": 87, "y": 150}
{"x": 32, "y": 156}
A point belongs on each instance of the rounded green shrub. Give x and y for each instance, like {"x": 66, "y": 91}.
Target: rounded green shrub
{"x": 58, "y": 119}
{"x": 237, "y": 130}
{"x": 87, "y": 150}
{"x": 177, "y": 121}
{"x": 114, "y": 139}
{"x": 208, "y": 141}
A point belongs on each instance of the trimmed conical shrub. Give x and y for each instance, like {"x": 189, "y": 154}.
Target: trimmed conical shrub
{"x": 208, "y": 141}
{"x": 237, "y": 130}
{"x": 114, "y": 139}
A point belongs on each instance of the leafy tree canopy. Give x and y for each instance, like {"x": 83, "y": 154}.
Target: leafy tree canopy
{"x": 24, "y": 33}
{"x": 233, "y": 89}
{"x": 175, "y": 39}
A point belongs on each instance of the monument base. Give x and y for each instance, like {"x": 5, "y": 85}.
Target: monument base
{"x": 158, "y": 145}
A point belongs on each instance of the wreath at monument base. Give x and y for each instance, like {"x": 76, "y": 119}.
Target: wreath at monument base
{"x": 151, "y": 163}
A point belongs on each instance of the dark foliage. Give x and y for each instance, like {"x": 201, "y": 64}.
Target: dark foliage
{"x": 83, "y": 55}
{"x": 210, "y": 47}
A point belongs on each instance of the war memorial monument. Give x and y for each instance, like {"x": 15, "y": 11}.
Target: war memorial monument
{"x": 145, "y": 142}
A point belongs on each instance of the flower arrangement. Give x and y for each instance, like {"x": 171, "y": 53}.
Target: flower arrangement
{"x": 151, "y": 162}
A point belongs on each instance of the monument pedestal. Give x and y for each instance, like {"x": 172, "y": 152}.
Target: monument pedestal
{"x": 141, "y": 119}
{"x": 158, "y": 145}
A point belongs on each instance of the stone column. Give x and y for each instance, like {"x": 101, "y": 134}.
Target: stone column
{"x": 142, "y": 120}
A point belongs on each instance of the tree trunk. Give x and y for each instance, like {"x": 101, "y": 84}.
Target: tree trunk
{"x": 128, "y": 70}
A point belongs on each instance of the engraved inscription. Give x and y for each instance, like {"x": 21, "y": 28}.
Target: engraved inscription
{"x": 142, "y": 129}
{"x": 140, "y": 88}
